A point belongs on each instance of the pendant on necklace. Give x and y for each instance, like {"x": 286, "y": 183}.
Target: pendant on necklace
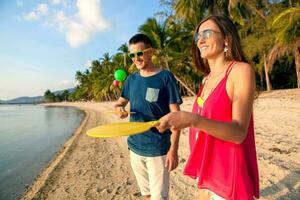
{"x": 200, "y": 101}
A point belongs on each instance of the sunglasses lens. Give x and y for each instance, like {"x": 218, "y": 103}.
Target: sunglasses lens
{"x": 203, "y": 34}
{"x": 206, "y": 34}
{"x": 196, "y": 37}
{"x": 140, "y": 53}
{"x": 131, "y": 55}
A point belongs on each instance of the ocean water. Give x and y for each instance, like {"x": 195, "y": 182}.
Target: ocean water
{"x": 30, "y": 135}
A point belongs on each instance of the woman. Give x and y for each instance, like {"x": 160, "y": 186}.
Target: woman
{"x": 223, "y": 155}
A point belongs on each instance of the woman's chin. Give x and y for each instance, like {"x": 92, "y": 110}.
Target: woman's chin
{"x": 208, "y": 56}
{"x": 203, "y": 56}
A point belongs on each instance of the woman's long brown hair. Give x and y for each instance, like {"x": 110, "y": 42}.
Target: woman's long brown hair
{"x": 231, "y": 37}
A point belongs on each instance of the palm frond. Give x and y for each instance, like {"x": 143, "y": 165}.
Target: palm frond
{"x": 283, "y": 15}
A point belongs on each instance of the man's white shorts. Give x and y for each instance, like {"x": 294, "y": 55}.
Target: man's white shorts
{"x": 151, "y": 174}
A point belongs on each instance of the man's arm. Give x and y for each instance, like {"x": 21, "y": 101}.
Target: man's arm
{"x": 172, "y": 155}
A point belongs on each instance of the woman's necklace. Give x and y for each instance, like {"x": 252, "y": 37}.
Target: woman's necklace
{"x": 212, "y": 80}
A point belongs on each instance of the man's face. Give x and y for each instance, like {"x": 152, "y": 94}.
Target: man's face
{"x": 140, "y": 55}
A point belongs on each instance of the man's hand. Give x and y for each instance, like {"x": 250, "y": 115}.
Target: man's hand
{"x": 171, "y": 160}
{"x": 120, "y": 107}
{"x": 121, "y": 112}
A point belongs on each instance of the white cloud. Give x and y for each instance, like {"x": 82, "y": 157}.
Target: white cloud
{"x": 80, "y": 28}
{"x": 90, "y": 14}
{"x": 60, "y": 2}
{"x": 31, "y": 16}
{"x": 41, "y": 10}
{"x": 56, "y": 2}
{"x": 61, "y": 20}
{"x": 65, "y": 84}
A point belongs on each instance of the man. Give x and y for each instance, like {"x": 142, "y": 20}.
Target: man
{"x": 152, "y": 93}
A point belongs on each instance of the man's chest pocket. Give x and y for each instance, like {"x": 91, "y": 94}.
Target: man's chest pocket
{"x": 152, "y": 94}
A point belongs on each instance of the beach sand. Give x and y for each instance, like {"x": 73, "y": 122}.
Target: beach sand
{"x": 93, "y": 168}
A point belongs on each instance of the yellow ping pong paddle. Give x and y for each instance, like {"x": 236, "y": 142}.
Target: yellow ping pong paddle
{"x": 115, "y": 112}
{"x": 120, "y": 129}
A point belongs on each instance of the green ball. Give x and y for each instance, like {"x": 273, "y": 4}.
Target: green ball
{"x": 120, "y": 75}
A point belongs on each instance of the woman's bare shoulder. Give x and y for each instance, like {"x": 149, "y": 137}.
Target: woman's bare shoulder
{"x": 241, "y": 69}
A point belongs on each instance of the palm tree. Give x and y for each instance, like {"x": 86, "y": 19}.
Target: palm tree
{"x": 102, "y": 79}
{"x": 256, "y": 42}
{"x": 124, "y": 50}
{"x": 189, "y": 10}
{"x": 84, "y": 87}
{"x": 287, "y": 32}
{"x": 49, "y": 96}
{"x": 239, "y": 9}
{"x": 105, "y": 60}
{"x": 164, "y": 40}
{"x": 194, "y": 10}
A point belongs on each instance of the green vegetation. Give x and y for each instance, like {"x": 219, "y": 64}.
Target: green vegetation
{"x": 270, "y": 33}
{"x": 61, "y": 96}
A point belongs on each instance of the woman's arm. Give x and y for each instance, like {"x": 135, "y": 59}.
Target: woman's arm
{"x": 241, "y": 89}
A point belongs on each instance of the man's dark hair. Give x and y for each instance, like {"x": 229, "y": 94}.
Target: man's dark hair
{"x": 140, "y": 37}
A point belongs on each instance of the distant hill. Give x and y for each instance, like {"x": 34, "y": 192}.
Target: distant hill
{"x": 24, "y": 100}
{"x": 32, "y": 100}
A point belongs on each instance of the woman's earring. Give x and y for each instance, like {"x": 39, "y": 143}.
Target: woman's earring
{"x": 225, "y": 48}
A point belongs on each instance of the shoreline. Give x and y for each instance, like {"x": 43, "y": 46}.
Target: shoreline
{"x": 42, "y": 177}
{"x": 100, "y": 169}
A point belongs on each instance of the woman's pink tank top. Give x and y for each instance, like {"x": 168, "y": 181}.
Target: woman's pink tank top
{"x": 228, "y": 169}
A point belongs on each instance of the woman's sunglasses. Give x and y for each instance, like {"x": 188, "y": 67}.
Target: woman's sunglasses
{"x": 138, "y": 53}
{"x": 205, "y": 34}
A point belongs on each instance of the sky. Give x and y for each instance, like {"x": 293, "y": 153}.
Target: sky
{"x": 44, "y": 42}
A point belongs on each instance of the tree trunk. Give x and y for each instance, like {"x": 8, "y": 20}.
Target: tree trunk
{"x": 261, "y": 80}
{"x": 269, "y": 86}
{"x": 180, "y": 81}
{"x": 125, "y": 63}
{"x": 115, "y": 94}
{"x": 297, "y": 64}
{"x": 185, "y": 86}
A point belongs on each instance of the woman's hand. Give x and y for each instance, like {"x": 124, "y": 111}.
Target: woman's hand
{"x": 177, "y": 120}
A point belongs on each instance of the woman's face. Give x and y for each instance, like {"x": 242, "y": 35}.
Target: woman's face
{"x": 210, "y": 40}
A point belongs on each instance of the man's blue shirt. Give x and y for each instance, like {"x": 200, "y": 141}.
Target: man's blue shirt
{"x": 150, "y": 98}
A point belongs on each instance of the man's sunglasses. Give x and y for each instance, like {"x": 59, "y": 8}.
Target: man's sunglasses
{"x": 205, "y": 34}
{"x": 138, "y": 53}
